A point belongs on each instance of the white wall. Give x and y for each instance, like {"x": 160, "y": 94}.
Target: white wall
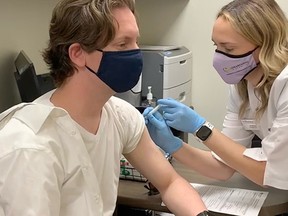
{"x": 24, "y": 25}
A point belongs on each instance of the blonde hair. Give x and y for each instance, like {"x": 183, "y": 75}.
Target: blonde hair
{"x": 87, "y": 22}
{"x": 264, "y": 24}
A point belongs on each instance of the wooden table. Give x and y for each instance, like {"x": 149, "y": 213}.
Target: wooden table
{"x": 133, "y": 194}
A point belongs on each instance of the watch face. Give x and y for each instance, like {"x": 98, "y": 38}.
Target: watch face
{"x": 203, "y": 133}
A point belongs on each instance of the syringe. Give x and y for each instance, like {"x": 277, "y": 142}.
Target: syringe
{"x": 154, "y": 109}
{"x": 180, "y": 99}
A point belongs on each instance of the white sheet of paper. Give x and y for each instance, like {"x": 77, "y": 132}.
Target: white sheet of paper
{"x": 233, "y": 201}
{"x": 255, "y": 153}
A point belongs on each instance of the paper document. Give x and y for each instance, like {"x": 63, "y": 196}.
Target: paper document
{"x": 255, "y": 153}
{"x": 232, "y": 201}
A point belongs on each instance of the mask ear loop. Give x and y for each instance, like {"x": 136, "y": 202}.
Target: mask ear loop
{"x": 89, "y": 69}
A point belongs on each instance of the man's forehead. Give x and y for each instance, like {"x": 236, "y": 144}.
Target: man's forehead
{"x": 125, "y": 24}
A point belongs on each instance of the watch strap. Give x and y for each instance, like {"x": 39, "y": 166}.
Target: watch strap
{"x": 208, "y": 126}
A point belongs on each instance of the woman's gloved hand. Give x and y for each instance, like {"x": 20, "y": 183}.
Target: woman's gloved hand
{"x": 179, "y": 116}
{"x": 160, "y": 132}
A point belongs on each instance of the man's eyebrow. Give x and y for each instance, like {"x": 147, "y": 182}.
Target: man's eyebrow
{"x": 126, "y": 37}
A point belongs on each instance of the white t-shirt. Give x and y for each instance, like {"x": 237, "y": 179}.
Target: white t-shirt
{"x": 52, "y": 166}
{"x": 272, "y": 128}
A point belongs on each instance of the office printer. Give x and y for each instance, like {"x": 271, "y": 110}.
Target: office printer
{"x": 168, "y": 69}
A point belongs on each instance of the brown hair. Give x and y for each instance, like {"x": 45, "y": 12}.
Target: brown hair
{"x": 263, "y": 23}
{"x": 87, "y": 22}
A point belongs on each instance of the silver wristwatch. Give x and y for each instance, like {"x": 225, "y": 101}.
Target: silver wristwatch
{"x": 204, "y": 213}
{"x": 204, "y": 131}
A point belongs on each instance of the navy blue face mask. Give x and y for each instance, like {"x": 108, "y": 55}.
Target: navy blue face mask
{"x": 120, "y": 70}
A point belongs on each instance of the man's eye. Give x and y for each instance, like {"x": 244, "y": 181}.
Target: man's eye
{"x": 122, "y": 45}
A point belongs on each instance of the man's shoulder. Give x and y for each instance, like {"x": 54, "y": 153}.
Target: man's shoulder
{"x": 125, "y": 114}
{"x": 32, "y": 115}
{"x": 24, "y": 127}
{"x": 115, "y": 101}
{"x": 120, "y": 107}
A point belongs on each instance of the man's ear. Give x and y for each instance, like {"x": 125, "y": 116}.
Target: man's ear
{"x": 77, "y": 55}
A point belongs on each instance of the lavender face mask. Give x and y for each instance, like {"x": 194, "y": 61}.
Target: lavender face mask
{"x": 233, "y": 68}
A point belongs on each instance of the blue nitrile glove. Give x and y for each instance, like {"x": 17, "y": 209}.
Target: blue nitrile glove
{"x": 179, "y": 116}
{"x": 160, "y": 132}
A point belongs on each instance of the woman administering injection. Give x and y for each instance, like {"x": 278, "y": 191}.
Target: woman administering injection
{"x": 251, "y": 56}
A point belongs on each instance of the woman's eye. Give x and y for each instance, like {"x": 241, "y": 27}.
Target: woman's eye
{"x": 216, "y": 46}
{"x": 228, "y": 50}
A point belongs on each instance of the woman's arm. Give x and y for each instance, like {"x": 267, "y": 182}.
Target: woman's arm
{"x": 203, "y": 162}
{"x": 232, "y": 153}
